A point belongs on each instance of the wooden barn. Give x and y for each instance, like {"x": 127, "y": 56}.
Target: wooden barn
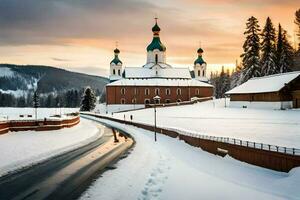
{"x": 279, "y": 91}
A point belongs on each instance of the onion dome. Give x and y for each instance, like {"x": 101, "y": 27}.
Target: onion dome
{"x": 199, "y": 60}
{"x": 116, "y": 60}
{"x": 156, "y": 43}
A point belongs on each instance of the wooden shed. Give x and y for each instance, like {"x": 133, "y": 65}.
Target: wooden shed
{"x": 279, "y": 91}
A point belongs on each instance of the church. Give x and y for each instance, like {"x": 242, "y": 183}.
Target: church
{"x": 137, "y": 86}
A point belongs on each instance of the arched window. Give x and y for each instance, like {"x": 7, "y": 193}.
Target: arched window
{"x": 198, "y": 72}
{"x": 197, "y": 92}
{"x": 203, "y": 72}
{"x": 123, "y": 91}
{"x": 147, "y": 101}
{"x": 178, "y": 100}
{"x": 134, "y": 100}
{"x": 135, "y": 91}
{"x": 114, "y": 71}
{"x": 156, "y": 91}
{"x": 147, "y": 91}
{"x": 119, "y": 72}
{"x": 122, "y": 101}
{"x": 178, "y": 91}
{"x": 168, "y": 91}
{"x": 168, "y": 101}
{"x": 156, "y": 58}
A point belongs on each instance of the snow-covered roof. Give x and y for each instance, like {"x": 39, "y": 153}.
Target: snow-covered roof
{"x": 161, "y": 65}
{"x": 272, "y": 83}
{"x": 138, "y": 72}
{"x": 159, "y": 82}
{"x": 114, "y": 77}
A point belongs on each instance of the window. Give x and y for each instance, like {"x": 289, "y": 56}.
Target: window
{"x": 114, "y": 71}
{"x": 119, "y": 72}
{"x": 157, "y": 101}
{"x": 156, "y": 58}
{"x": 147, "y": 91}
{"x": 147, "y": 101}
{"x": 178, "y": 100}
{"x": 135, "y": 91}
{"x": 156, "y": 91}
{"x": 122, "y": 101}
{"x": 197, "y": 92}
{"x": 198, "y": 72}
{"x": 134, "y": 101}
{"x": 203, "y": 73}
{"x": 123, "y": 91}
{"x": 178, "y": 91}
{"x": 167, "y": 101}
{"x": 168, "y": 91}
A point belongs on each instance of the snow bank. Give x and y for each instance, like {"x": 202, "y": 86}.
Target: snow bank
{"x": 19, "y": 149}
{"x": 14, "y": 113}
{"x": 275, "y": 127}
{"x": 6, "y": 72}
{"x": 171, "y": 169}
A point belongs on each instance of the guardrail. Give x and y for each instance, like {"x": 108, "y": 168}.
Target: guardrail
{"x": 264, "y": 155}
{"x": 244, "y": 143}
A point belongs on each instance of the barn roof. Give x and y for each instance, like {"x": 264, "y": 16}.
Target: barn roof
{"x": 272, "y": 83}
{"x": 159, "y": 82}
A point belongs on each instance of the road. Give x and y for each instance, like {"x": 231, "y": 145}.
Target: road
{"x": 65, "y": 176}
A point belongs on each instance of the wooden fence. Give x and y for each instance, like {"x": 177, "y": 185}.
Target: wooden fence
{"x": 264, "y": 155}
{"x": 40, "y": 125}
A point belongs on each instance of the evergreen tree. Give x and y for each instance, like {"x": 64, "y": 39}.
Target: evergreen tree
{"x": 88, "y": 100}
{"x": 297, "y": 22}
{"x": 250, "y": 57}
{"x": 268, "y": 49}
{"x": 35, "y": 102}
{"x": 287, "y": 54}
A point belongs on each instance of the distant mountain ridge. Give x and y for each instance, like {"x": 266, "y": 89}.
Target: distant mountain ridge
{"x": 21, "y": 79}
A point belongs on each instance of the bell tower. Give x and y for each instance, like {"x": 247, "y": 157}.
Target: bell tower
{"x": 116, "y": 66}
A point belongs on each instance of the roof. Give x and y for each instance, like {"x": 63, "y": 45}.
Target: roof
{"x": 159, "y": 82}
{"x": 199, "y": 60}
{"x": 116, "y": 60}
{"x": 161, "y": 65}
{"x": 182, "y": 73}
{"x": 156, "y": 44}
{"x": 272, "y": 83}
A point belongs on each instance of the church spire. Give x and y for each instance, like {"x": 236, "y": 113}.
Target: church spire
{"x": 156, "y": 43}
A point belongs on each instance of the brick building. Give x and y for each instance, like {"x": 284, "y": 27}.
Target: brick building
{"x": 138, "y": 86}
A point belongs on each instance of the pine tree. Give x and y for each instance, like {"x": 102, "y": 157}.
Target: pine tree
{"x": 287, "y": 54}
{"x": 250, "y": 57}
{"x": 297, "y": 22}
{"x": 35, "y": 102}
{"x": 88, "y": 100}
{"x": 268, "y": 49}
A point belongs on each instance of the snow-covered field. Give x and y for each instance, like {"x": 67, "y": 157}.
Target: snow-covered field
{"x": 276, "y": 127}
{"x": 171, "y": 169}
{"x": 14, "y": 113}
{"x": 23, "y": 148}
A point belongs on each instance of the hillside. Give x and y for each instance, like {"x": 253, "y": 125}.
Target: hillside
{"x": 19, "y": 80}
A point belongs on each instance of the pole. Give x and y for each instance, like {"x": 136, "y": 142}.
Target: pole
{"x": 154, "y": 121}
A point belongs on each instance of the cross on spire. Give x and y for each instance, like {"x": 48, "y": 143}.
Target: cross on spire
{"x": 117, "y": 44}
{"x": 199, "y": 43}
{"x": 156, "y": 18}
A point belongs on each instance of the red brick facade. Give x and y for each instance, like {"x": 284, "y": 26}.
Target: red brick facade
{"x": 145, "y": 94}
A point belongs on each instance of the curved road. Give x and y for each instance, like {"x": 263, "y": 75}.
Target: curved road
{"x": 65, "y": 176}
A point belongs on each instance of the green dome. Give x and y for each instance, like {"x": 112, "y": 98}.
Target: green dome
{"x": 199, "y": 60}
{"x": 200, "y": 50}
{"x": 156, "y": 44}
{"x": 155, "y": 28}
{"x": 116, "y": 60}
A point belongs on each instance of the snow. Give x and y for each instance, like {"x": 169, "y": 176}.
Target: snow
{"x": 171, "y": 169}
{"x": 6, "y": 72}
{"x": 19, "y": 149}
{"x": 131, "y": 72}
{"x": 276, "y": 127}
{"x": 14, "y": 113}
{"x": 262, "y": 104}
{"x": 159, "y": 82}
{"x": 272, "y": 83}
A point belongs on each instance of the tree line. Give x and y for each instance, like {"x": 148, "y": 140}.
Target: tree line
{"x": 266, "y": 51}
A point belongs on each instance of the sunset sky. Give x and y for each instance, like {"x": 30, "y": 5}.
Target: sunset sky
{"x": 80, "y": 35}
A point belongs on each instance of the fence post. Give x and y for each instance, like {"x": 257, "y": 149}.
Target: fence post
{"x": 269, "y": 147}
{"x": 247, "y": 143}
{"x": 240, "y": 142}
{"x": 277, "y": 148}
{"x": 254, "y": 145}
{"x": 284, "y": 149}
{"x": 293, "y": 151}
{"x": 261, "y": 145}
